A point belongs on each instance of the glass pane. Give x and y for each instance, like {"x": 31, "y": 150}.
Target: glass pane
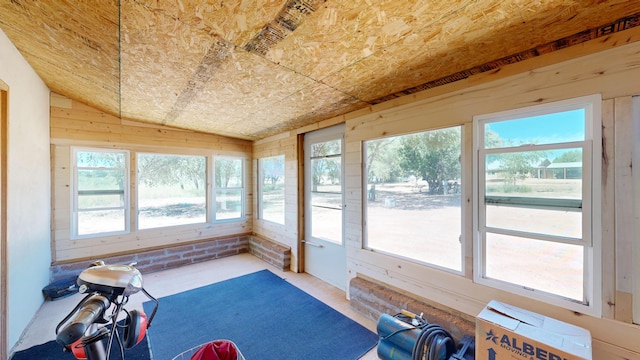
{"x": 328, "y": 148}
{"x": 100, "y": 201}
{"x": 326, "y": 175}
{"x": 100, "y": 180}
{"x": 326, "y": 198}
{"x": 100, "y": 189}
{"x": 548, "y": 266}
{"x": 101, "y": 159}
{"x": 228, "y": 173}
{"x": 228, "y": 204}
{"x": 326, "y": 215}
{"x": 413, "y": 196}
{"x": 105, "y": 221}
{"x": 171, "y": 190}
{"x": 541, "y": 221}
{"x": 272, "y": 195}
{"x": 566, "y": 126}
{"x": 555, "y": 174}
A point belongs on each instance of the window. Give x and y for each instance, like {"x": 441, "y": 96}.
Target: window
{"x": 413, "y": 197}
{"x": 228, "y": 190}
{"x": 100, "y": 192}
{"x": 325, "y": 186}
{"x": 171, "y": 190}
{"x": 271, "y": 189}
{"x": 536, "y": 171}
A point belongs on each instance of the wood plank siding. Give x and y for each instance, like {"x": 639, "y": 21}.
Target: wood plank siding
{"x": 609, "y": 66}
{"x": 76, "y": 124}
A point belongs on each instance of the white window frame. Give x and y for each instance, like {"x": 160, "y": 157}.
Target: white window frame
{"x": 463, "y": 216}
{"x": 74, "y": 193}
{"x": 261, "y": 186}
{"x": 215, "y": 190}
{"x": 591, "y": 201}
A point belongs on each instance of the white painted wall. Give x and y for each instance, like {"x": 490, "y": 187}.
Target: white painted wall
{"x": 29, "y": 189}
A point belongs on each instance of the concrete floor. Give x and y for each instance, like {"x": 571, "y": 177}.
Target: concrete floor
{"x": 168, "y": 282}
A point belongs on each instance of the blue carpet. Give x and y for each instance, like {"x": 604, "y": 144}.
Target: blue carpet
{"x": 53, "y": 351}
{"x": 265, "y": 316}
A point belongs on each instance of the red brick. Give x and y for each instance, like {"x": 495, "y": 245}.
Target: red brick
{"x": 178, "y": 263}
{"x": 166, "y": 259}
{"x": 179, "y": 249}
{"x": 227, "y": 253}
{"x": 373, "y": 300}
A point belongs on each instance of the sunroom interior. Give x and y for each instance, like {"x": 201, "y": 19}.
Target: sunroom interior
{"x": 450, "y": 152}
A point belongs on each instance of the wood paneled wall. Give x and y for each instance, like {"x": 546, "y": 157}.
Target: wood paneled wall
{"x": 287, "y": 234}
{"x": 608, "y": 66}
{"x": 611, "y": 71}
{"x": 76, "y": 124}
{"x": 287, "y": 144}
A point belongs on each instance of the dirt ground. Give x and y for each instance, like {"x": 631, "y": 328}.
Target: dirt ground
{"x": 427, "y": 228}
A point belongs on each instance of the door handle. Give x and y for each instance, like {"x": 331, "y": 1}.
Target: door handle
{"x": 313, "y": 244}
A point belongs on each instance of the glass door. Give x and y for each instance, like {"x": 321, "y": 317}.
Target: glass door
{"x": 325, "y": 254}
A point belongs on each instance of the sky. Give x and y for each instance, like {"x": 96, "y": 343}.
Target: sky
{"x": 545, "y": 129}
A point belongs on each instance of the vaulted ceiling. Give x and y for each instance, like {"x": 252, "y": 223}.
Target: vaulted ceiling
{"x": 253, "y": 68}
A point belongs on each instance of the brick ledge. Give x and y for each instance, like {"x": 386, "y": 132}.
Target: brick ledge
{"x": 152, "y": 260}
{"x": 161, "y": 259}
{"x": 270, "y": 251}
{"x": 373, "y": 299}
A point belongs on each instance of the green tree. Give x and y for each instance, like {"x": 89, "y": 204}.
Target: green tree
{"x": 101, "y": 168}
{"x": 433, "y": 156}
{"x": 273, "y": 169}
{"x": 325, "y": 162}
{"x": 228, "y": 172}
{"x": 492, "y": 140}
{"x": 519, "y": 165}
{"x": 158, "y": 170}
{"x": 569, "y": 156}
{"x": 382, "y": 160}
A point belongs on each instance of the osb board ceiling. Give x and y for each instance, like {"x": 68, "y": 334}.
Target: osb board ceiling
{"x": 253, "y": 68}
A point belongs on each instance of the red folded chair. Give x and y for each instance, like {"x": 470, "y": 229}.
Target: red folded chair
{"x": 216, "y": 350}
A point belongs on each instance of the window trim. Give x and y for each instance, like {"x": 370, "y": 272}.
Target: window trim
{"x": 215, "y": 189}
{"x": 75, "y": 192}
{"x": 591, "y": 203}
{"x": 463, "y": 194}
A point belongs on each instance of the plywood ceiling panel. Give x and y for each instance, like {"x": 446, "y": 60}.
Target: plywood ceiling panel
{"x": 235, "y": 21}
{"x": 73, "y": 45}
{"x": 253, "y": 68}
{"x": 160, "y": 56}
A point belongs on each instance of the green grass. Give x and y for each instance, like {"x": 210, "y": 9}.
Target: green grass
{"x": 509, "y": 188}
{"x": 168, "y": 192}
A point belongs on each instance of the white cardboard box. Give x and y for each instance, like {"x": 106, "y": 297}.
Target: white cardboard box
{"x": 505, "y": 332}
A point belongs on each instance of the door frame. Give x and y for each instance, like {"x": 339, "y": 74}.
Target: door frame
{"x": 301, "y": 202}
{"x": 302, "y": 185}
{"x": 4, "y": 120}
